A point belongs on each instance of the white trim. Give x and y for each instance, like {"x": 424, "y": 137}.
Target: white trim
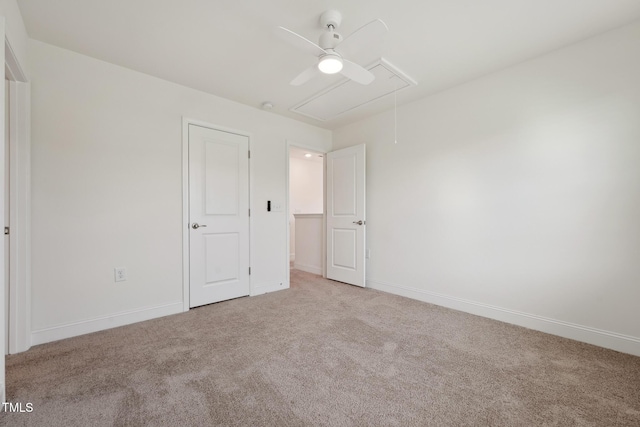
{"x": 263, "y": 289}
{"x": 3, "y": 321}
{"x": 324, "y": 220}
{"x": 74, "y": 329}
{"x": 20, "y": 217}
{"x": 313, "y": 269}
{"x": 185, "y": 201}
{"x": 398, "y": 74}
{"x": 601, "y": 338}
{"x": 287, "y": 221}
{"x": 13, "y": 68}
{"x": 19, "y": 327}
{"x": 308, "y": 215}
{"x": 185, "y": 214}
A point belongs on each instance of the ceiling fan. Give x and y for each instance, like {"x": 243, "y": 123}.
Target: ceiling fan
{"x": 332, "y": 48}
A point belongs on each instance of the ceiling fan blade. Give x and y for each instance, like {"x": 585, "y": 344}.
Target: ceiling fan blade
{"x": 370, "y": 34}
{"x": 305, "y": 76}
{"x": 356, "y": 73}
{"x": 300, "y": 42}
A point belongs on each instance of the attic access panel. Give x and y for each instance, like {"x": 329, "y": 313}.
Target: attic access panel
{"x": 348, "y": 95}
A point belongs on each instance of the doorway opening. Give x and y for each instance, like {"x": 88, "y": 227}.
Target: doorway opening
{"x": 306, "y": 210}
{"x": 215, "y": 203}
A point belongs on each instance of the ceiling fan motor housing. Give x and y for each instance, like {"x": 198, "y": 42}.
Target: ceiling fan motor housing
{"x": 329, "y": 40}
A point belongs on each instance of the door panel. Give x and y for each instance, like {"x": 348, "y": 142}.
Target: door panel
{"x": 344, "y": 186}
{"x": 218, "y": 215}
{"x": 221, "y": 258}
{"x": 344, "y": 248}
{"x": 221, "y": 178}
{"x": 346, "y": 215}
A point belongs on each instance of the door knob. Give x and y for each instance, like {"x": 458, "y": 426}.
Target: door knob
{"x": 195, "y": 226}
{"x": 359, "y": 222}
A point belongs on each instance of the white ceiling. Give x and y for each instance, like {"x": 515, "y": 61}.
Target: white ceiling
{"x": 300, "y": 153}
{"x": 230, "y": 47}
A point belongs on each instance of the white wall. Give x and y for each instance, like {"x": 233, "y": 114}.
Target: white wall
{"x": 107, "y": 190}
{"x": 517, "y": 195}
{"x": 309, "y": 234}
{"x": 306, "y": 185}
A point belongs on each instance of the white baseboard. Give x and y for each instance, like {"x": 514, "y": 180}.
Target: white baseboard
{"x": 606, "y": 339}
{"x": 55, "y": 333}
{"x": 314, "y": 269}
{"x": 266, "y": 288}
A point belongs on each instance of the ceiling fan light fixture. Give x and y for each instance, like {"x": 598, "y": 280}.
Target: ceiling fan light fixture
{"x": 330, "y": 64}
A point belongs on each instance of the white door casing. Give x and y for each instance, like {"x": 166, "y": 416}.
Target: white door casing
{"x": 7, "y": 214}
{"x": 2, "y": 308}
{"x": 346, "y": 219}
{"x": 19, "y": 212}
{"x": 17, "y": 141}
{"x": 218, "y": 215}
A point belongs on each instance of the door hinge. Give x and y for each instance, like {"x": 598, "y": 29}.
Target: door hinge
{"x": 6, "y": 230}
{"x": 249, "y": 212}
{"x": 249, "y": 271}
{"x": 249, "y": 154}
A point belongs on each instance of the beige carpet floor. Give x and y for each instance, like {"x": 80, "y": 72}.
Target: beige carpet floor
{"x": 326, "y": 354}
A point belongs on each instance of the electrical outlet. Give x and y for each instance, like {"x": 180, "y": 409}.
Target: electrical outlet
{"x": 120, "y": 274}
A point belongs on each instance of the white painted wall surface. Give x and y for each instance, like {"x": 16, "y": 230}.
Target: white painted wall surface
{"x": 517, "y": 194}
{"x": 309, "y": 243}
{"x": 306, "y": 185}
{"x": 306, "y": 191}
{"x": 107, "y": 190}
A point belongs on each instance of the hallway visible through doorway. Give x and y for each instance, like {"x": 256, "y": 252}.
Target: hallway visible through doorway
{"x": 306, "y": 209}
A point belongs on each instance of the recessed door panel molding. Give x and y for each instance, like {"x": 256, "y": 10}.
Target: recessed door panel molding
{"x": 218, "y": 215}
{"x": 221, "y": 177}
{"x": 222, "y": 259}
{"x": 345, "y": 191}
{"x": 346, "y": 220}
{"x": 344, "y": 249}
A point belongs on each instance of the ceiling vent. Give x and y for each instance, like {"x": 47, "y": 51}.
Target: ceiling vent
{"x": 348, "y": 95}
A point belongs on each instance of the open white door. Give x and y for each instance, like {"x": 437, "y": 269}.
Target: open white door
{"x": 346, "y": 215}
{"x": 218, "y": 215}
